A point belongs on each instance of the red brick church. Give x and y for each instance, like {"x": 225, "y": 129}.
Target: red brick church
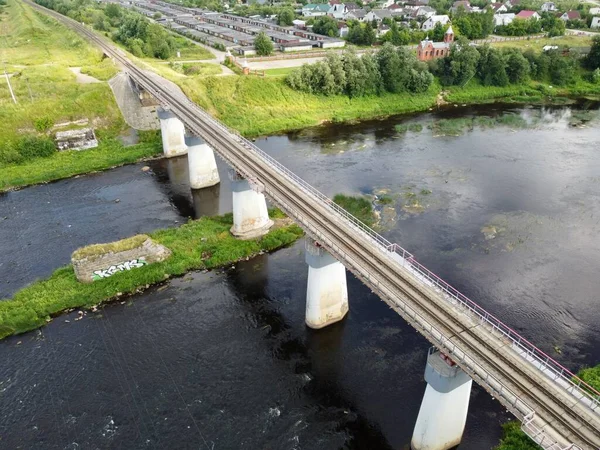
{"x": 428, "y": 50}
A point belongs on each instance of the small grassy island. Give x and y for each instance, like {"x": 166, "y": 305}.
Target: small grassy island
{"x": 200, "y": 244}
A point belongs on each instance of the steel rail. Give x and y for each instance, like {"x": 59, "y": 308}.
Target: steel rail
{"x": 369, "y": 233}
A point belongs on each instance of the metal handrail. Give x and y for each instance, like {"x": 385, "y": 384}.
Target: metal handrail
{"x": 545, "y": 361}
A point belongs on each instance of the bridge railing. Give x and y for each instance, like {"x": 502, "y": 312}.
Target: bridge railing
{"x": 529, "y": 351}
{"x": 582, "y": 391}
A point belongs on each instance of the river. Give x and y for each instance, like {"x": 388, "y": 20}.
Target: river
{"x": 223, "y": 360}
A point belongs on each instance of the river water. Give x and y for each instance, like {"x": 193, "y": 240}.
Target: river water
{"x": 223, "y": 360}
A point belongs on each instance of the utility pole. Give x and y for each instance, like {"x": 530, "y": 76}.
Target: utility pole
{"x": 12, "y": 94}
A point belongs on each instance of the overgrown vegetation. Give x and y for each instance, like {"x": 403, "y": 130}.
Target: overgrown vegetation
{"x": 359, "y": 207}
{"x": 201, "y": 244}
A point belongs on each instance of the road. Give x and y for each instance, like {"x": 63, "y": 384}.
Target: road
{"x": 497, "y": 358}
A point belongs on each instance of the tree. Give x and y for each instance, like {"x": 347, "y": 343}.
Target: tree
{"x": 397, "y": 36}
{"x": 517, "y": 67}
{"x": 286, "y": 17}
{"x": 336, "y": 65}
{"x": 389, "y": 67}
{"x": 461, "y": 65}
{"x": 437, "y": 34}
{"x": 368, "y": 35}
{"x": 112, "y": 10}
{"x": 562, "y": 69}
{"x": 592, "y": 60}
{"x": 263, "y": 44}
{"x": 356, "y": 75}
{"x": 326, "y": 26}
{"x": 492, "y": 67}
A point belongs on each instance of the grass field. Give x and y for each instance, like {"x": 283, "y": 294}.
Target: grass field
{"x": 258, "y": 106}
{"x": 279, "y": 72}
{"x": 539, "y": 43}
{"x": 202, "y": 244}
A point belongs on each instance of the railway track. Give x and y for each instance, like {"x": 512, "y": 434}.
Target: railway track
{"x": 491, "y": 359}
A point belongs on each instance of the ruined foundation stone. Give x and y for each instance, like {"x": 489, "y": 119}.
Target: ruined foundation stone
{"x": 100, "y": 261}
{"x": 80, "y": 139}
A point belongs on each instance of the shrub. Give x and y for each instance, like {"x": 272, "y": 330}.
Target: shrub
{"x": 30, "y": 147}
{"x": 44, "y": 124}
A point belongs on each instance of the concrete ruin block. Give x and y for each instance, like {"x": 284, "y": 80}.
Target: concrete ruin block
{"x": 80, "y": 139}
{"x": 99, "y": 261}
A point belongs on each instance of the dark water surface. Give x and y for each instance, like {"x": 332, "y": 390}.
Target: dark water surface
{"x": 223, "y": 360}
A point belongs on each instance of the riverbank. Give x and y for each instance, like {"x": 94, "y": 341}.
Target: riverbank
{"x": 264, "y": 106}
{"x": 109, "y": 154}
{"x": 198, "y": 245}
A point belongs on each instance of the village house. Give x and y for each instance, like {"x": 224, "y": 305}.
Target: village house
{"x": 595, "y": 22}
{"x": 548, "y": 7}
{"x": 356, "y": 14}
{"x": 314, "y": 10}
{"x": 430, "y": 23}
{"x": 337, "y": 11}
{"x": 595, "y": 11}
{"x": 497, "y": 8}
{"x": 501, "y": 20}
{"x": 527, "y": 15}
{"x": 378, "y": 15}
{"x": 424, "y": 12}
{"x": 571, "y": 15}
{"x": 510, "y": 3}
{"x": 464, "y": 4}
{"x": 428, "y": 50}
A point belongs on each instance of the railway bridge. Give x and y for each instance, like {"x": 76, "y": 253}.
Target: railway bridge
{"x": 557, "y": 410}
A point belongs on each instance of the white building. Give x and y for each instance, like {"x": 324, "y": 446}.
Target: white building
{"x": 430, "y": 23}
{"x": 548, "y": 7}
{"x": 503, "y": 19}
{"x": 378, "y": 15}
{"x": 337, "y": 11}
{"x": 595, "y": 22}
{"x": 594, "y": 11}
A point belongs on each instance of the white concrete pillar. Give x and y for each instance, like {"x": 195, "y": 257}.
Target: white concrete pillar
{"x": 173, "y": 134}
{"x": 202, "y": 164}
{"x": 443, "y": 414}
{"x": 250, "y": 214}
{"x": 326, "y": 290}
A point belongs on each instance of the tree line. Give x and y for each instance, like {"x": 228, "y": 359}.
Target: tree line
{"x": 389, "y": 70}
{"x": 398, "y": 70}
{"x": 495, "y": 67}
{"x": 141, "y": 37}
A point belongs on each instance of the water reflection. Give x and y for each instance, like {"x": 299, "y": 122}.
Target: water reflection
{"x": 206, "y": 201}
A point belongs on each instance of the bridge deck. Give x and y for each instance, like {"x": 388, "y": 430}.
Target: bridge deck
{"x": 554, "y": 411}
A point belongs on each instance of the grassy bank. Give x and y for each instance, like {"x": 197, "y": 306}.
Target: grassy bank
{"x": 110, "y": 153}
{"x": 201, "y": 244}
{"x": 259, "y": 106}
{"x": 530, "y": 93}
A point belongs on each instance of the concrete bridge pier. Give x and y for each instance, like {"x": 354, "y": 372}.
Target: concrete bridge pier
{"x": 172, "y": 131}
{"x": 250, "y": 214}
{"x": 443, "y": 413}
{"x": 326, "y": 291}
{"x": 202, "y": 164}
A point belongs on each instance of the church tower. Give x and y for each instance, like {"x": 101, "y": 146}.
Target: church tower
{"x": 449, "y": 36}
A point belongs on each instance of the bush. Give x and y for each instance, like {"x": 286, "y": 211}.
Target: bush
{"x": 27, "y": 148}
{"x": 44, "y": 124}
{"x": 30, "y": 147}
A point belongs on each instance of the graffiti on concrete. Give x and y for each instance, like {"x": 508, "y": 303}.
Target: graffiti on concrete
{"x": 127, "y": 265}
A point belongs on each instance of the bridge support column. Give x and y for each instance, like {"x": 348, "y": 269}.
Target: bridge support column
{"x": 202, "y": 164}
{"x": 173, "y": 134}
{"x": 326, "y": 290}
{"x": 250, "y": 214}
{"x": 443, "y": 414}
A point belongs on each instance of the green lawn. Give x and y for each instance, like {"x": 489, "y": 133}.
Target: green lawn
{"x": 279, "y": 72}
{"x": 201, "y": 244}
